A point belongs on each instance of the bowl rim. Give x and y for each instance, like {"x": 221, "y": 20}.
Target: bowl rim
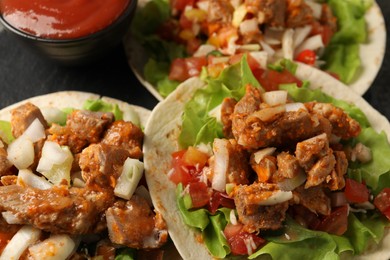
{"x": 130, "y": 8}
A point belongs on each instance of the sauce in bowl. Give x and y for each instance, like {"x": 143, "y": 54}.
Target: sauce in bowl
{"x": 61, "y": 19}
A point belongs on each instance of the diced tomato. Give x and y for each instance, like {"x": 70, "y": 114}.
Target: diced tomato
{"x": 184, "y": 22}
{"x": 195, "y": 158}
{"x": 219, "y": 199}
{"x": 271, "y": 79}
{"x": 253, "y": 64}
{"x": 200, "y": 194}
{"x": 382, "y": 202}
{"x": 193, "y": 45}
{"x": 356, "y": 192}
{"x": 324, "y": 30}
{"x": 336, "y": 223}
{"x": 307, "y": 56}
{"x": 194, "y": 65}
{"x": 240, "y": 241}
{"x": 180, "y": 5}
{"x": 178, "y": 70}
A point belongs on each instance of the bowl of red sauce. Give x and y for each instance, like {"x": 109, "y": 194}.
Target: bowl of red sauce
{"x": 71, "y": 32}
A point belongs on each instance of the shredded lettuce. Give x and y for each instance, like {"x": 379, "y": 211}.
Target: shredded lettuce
{"x": 6, "y": 132}
{"x": 126, "y": 254}
{"x": 100, "y": 105}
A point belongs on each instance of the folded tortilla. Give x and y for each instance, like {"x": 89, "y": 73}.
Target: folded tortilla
{"x": 161, "y": 140}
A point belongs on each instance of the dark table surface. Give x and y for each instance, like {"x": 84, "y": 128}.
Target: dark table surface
{"x": 23, "y": 74}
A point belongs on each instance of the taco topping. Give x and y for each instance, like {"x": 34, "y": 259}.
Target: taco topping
{"x": 80, "y": 187}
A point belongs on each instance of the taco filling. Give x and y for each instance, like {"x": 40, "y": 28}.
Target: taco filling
{"x": 182, "y": 37}
{"x": 291, "y": 171}
{"x": 70, "y": 185}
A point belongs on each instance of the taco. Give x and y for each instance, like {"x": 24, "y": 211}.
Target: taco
{"x": 238, "y": 171}
{"x": 71, "y": 178}
{"x": 171, "y": 41}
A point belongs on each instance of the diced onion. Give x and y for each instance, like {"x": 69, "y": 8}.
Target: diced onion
{"x": 290, "y": 184}
{"x": 266, "y": 47}
{"x": 249, "y": 26}
{"x": 316, "y": 7}
{"x": 204, "y": 49}
{"x": 55, "y": 247}
{"x": 239, "y": 15}
{"x": 21, "y": 152}
{"x": 249, "y": 47}
{"x": 232, "y": 217}
{"x": 362, "y": 153}
{"x": 54, "y": 115}
{"x": 10, "y": 218}
{"x": 25, "y": 237}
{"x": 288, "y": 44}
{"x": 216, "y": 112}
{"x": 276, "y": 198}
{"x": 274, "y": 98}
{"x": 259, "y": 155}
{"x": 28, "y": 178}
{"x": 220, "y": 164}
{"x": 313, "y": 43}
{"x": 300, "y": 34}
{"x": 293, "y": 107}
{"x": 261, "y": 57}
{"x": 35, "y": 131}
{"x": 128, "y": 180}
{"x": 267, "y": 114}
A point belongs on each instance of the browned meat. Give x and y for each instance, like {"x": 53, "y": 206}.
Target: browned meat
{"x": 336, "y": 180}
{"x": 23, "y": 116}
{"x": 5, "y": 164}
{"x": 298, "y": 14}
{"x": 313, "y": 198}
{"x": 145, "y": 230}
{"x": 101, "y": 164}
{"x": 82, "y": 128}
{"x": 328, "y": 18}
{"x": 8, "y": 180}
{"x": 321, "y": 170}
{"x": 59, "y": 209}
{"x": 256, "y": 217}
{"x": 231, "y": 155}
{"x": 342, "y": 125}
{"x": 265, "y": 169}
{"x": 288, "y": 167}
{"x": 106, "y": 249}
{"x": 220, "y": 11}
{"x": 227, "y": 110}
{"x": 250, "y": 102}
{"x": 270, "y": 12}
{"x": 125, "y": 135}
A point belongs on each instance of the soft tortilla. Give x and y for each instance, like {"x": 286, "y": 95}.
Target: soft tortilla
{"x": 371, "y": 53}
{"x": 161, "y": 134}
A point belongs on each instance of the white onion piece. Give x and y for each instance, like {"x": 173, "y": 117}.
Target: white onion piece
{"x": 288, "y": 44}
{"x": 239, "y": 15}
{"x": 268, "y": 113}
{"x": 293, "y": 107}
{"x": 53, "y": 152}
{"x": 27, "y": 178}
{"x": 35, "y": 131}
{"x": 261, "y": 57}
{"x": 266, "y": 47}
{"x": 313, "y": 43}
{"x": 338, "y": 199}
{"x": 221, "y": 160}
{"x": 273, "y": 36}
{"x": 216, "y": 112}
{"x": 249, "y": 26}
{"x": 204, "y": 49}
{"x": 54, "y": 115}
{"x": 291, "y": 184}
{"x": 77, "y": 179}
{"x": 216, "y": 60}
{"x": 130, "y": 115}
{"x": 53, "y": 248}
{"x": 10, "y": 218}
{"x": 300, "y": 34}
{"x": 250, "y": 47}
{"x": 128, "y": 180}
{"x": 25, "y": 237}
{"x": 21, "y": 152}
{"x": 362, "y": 153}
{"x": 316, "y": 8}
{"x": 276, "y": 97}
{"x": 276, "y": 198}
{"x": 259, "y": 155}
{"x": 232, "y": 217}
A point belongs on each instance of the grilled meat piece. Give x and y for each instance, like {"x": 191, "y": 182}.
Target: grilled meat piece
{"x": 59, "y": 209}
{"x": 102, "y": 164}
{"x": 227, "y": 110}
{"x": 336, "y": 180}
{"x": 220, "y": 11}
{"x": 5, "y": 164}
{"x": 314, "y": 199}
{"x": 22, "y": 116}
{"x": 125, "y": 135}
{"x": 133, "y": 223}
{"x": 298, "y": 14}
{"x": 256, "y": 217}
{"x": 288, "y": 167}
{"x": 270, "y": 12}
{"x": 265, "y": 169}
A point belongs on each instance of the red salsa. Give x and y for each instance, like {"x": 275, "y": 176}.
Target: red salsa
{"x": 61, "y": 19}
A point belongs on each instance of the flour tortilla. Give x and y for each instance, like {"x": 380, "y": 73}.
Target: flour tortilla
{"x": 161, "y": 135}
{"x": 371, "y": 53}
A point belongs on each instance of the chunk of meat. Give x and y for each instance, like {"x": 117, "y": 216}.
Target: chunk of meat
{"x": 5, "y": 164}
{"x": 336, "y": 180}
{"x": 342, "y": 124}
{"x": 256, "y": 217}
{"x": 8, "y": 180}
{"x": 102, "y": 164}
{"x": 125, "y": 135}
{"x": 227, "y": 110}
{"x": 288, "y": 167}
{"x": 270, "y": 12}
{"x": 298, "y": 14}
{"x": 320, "y": 170}
{"x": 230, "y": 159}
{"x": 22, "y": 116}
{"x": 220, "y": 11}
{"x": 145, "y": 230}
{"x": 59, "y": 209}
{"x": 314, "y": 199}
{"x": 265, "y": 169}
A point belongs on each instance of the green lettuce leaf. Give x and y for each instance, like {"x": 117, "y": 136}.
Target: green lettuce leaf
{"x": 213, "y": 237}
{"x": 100, "y": 105}
{"x": 6, "y": 132}
{"x": 126, "y": 254}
